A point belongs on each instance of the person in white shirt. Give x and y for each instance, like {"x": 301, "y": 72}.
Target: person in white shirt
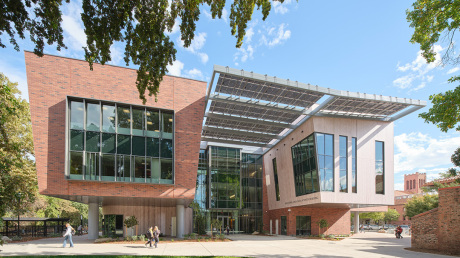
{"x": 68, "y": 235}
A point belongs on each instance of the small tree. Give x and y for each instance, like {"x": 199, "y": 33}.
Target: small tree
{"x": 131, "y": 222}
{"x": 322, "y": 223}
{"x": 199, "y": 219}
{"x": 218, "y": 224}
{"x": 391, "y": 215}
{"x": 421, "y": 204}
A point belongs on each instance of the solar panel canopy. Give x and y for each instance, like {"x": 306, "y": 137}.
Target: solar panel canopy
{"x": 245, "y": 108}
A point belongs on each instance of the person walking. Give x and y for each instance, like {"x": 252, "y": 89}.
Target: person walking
{"x": 156, "y": 235}
{"x": 79, "y": 230}
{"x": 68, "y": 235}
{"x": 149, "y": 236}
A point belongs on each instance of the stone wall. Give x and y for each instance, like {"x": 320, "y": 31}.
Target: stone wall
{"x": 439, "y": 229}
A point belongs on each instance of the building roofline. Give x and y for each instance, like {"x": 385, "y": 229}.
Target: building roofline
{"x": 117, "y": 66}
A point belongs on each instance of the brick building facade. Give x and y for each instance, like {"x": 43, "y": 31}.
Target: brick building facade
{"x": 439, "y": 228}
{"x": 274, "y": 154}
{"x": 52, "y": 79}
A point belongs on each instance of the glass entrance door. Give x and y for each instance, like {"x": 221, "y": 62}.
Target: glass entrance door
{"x": 283, "y": 225}
{"x": 225, "y": 222}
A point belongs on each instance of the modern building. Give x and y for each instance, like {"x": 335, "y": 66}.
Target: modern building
{"x": 254, "y": 151}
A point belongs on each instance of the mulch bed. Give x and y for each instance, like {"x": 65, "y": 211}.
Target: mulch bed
{"x": 430, "y": 251}
{"x": 165, "y": 241}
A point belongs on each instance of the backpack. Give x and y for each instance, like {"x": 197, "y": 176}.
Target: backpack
{"x": 148, "y": 234}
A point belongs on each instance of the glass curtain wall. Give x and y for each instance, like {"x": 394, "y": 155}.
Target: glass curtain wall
{"x": 305, "y": 168}
{"x": 118, "y": 142}
{"x": 313, "y": 163}
{"x": 224, "y": 178}
{"x": 220, "y": 171}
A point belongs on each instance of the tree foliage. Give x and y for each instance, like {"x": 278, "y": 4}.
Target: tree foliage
{"x": 374, "y": 216}
{"x": 391, "y": 215}
{"x": 322, "y": 223}
{"x": 455, "y": 158}
{"x": 17, "y": 169}
{"x": 420, "y": 204}
{"x": 434, "y": 21}
{"x": 140, "y": 24}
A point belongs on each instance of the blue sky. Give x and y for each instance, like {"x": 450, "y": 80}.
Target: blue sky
{"x": 360, "y": 46}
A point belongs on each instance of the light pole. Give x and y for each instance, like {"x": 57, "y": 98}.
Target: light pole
{"x": 18, "y": 196}
{"x": 81, "y": 225}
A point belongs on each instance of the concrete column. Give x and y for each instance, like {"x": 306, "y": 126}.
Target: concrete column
{"x": 93, "y": 220}
{"x": 180, "y": 220}
{"x": 356, "y": 222}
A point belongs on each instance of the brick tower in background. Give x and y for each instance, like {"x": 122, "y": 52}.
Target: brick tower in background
{"x": 413, "y": 182}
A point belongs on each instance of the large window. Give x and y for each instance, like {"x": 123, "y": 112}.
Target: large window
{"x": 303, "y": 225}
{"x": 305, "y": 167}
{"x": 114, "y": 142}
{"x": 354, "y": 183}
{"x": 379, "y": 168}
{"x": 224, "y": 178}
{"x": 277, "y": 187}
{"x": 313, "y": 163}
{"x": 325, "y": 147}
{"x": 343, "y": 158}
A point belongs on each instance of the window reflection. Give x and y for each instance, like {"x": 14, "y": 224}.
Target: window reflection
{"x": 108, "y": 118}
{"x": 76, "y": 115}
{"x": 93, "y": 117}
{"x": 379, "y": 168}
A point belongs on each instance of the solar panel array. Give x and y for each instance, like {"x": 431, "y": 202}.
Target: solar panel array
{"x": 239, "y": 104}
{"x": 266, "y": 91}
{"x": 364, "y": 107}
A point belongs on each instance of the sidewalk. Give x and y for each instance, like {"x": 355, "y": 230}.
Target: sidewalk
{"x": 361, "y": 245}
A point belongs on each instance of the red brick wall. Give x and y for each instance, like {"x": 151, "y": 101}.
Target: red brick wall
{"x": 449, "y": 219}
{"x": 52, "y": 78}
{"x": 439, "y": 229}
{"x": 425, "y": 230}
{"x": 338, "y": 219}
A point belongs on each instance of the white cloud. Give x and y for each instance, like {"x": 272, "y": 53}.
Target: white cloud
{"x": 204, "y": 57}
{"x": 198, "y": 42}
{"x": 453, "y": 70}
{"x": 417, "y": 71}
{"x": 249, "y": 34}
{"x": 196, "y": 45}
{"x": 417, "y": 151}
{"x": 244, "y": 53}
{"x": 194, "y": 74}
{"x": 276, "y": 36}
{"x": 72, "y": 26}
{"x": 176, "y": 68}
{"x": 281, "y": 7}
{"x": 117, "y": 55}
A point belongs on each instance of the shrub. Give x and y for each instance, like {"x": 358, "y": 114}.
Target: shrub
{"x": 172, "y": 240}
{"x": 221, "y": 236}
{"x": 330, "y": 236}
{"x": 141, "y": 237}
{"x": 130, "y": 222}
{"x": 16, "y": 238}
{"x": 193, "y": 236}
{"x": 321, "y": 235}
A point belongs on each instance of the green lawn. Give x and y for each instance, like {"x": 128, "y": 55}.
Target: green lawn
{"x": 124, "y": 256}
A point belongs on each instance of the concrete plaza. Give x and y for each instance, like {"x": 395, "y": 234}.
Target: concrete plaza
{"x": 362, "y": 245}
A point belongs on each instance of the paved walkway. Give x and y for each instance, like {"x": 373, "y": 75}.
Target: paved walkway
{"x": 362, "y": 245}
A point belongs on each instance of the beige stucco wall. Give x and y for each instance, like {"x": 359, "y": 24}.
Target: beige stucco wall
{"x": 366, "y": 132}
